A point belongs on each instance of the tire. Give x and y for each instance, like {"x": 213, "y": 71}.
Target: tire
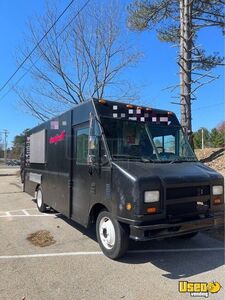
{"x": 188, "y": 235}
{"x": 112, "y": 236}
{"x": 39, "y": 197}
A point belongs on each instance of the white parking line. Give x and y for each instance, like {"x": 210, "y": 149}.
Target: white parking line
{"x": 9, "y": 216}
{"x": 51, "y": 255}
{"x": 100, "y": 253}
{"x": 3, "y": 211}
{"x": 25, "y": 212}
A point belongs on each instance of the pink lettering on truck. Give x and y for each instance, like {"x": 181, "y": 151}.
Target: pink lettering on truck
{"x": 57, "y": 138}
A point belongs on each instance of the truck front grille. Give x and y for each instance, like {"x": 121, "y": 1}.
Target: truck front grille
{"x": 185, "y": 206}
{"x": 187, "y": 192}
{"x": 182, "y": 209}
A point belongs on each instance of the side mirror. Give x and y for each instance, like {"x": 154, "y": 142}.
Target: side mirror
{"x": 95, "y": 157}
{"x": 92, "y": 142}
{"x": 93, "y": 150}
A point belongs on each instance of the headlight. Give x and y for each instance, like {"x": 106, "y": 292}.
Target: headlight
{"x": 151, "y": 196}
{"x": 217, "y": 190}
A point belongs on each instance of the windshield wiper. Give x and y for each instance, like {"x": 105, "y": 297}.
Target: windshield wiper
{"x": 180, "y": 160}
{"x": 176, "y": 160}
{"x": 146, "y": 160}
{"x": 133, "y": 157}
{"x": 126, "y": 156}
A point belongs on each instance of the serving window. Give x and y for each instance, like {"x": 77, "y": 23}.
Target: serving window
{"x": 37, "y": 147}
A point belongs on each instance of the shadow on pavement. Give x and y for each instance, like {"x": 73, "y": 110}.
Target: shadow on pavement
{"x": 181, "y": 264}
{"x": 176, "y": 264}
{"x": 89, "y": 232}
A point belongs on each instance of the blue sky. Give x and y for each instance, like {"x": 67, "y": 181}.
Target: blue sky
{"x": 156, "y": 70}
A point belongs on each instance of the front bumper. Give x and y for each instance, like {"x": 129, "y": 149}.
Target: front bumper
{"x": 163, "y": 230}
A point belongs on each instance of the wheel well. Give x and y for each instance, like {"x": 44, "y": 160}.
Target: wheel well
{"x": 37, "y": 186}
{"x": 95, "y": 210}
{"x": 35, "y": 192}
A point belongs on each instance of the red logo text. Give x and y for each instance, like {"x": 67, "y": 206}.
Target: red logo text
{"x": 57, "y": 138}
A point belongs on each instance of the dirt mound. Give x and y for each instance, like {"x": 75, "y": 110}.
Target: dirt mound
{"x": 213, "y": 157}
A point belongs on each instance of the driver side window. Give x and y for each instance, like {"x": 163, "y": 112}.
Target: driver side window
{"x": 96, "y": 146}
{"x": 82, "y": 145}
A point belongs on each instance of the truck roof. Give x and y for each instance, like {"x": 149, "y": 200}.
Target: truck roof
{"x": 110, "y": 108}
{"x": 130, "y": 105}
{"x": 132, "y": 112}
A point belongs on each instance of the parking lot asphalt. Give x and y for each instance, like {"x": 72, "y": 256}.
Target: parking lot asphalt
{"x": 74, "y": 267}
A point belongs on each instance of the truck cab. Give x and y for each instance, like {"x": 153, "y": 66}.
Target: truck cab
{"x": 159, "y": 188}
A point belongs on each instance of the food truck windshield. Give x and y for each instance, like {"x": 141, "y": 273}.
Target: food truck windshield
{"x": 146, "y": 142}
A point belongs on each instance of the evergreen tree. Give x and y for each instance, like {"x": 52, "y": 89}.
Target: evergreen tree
{"x": 178, "y": 22}
{"x": 18, "y": 144}
{"x": 217, "y": 138}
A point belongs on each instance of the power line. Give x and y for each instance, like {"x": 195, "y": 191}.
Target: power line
{"x": 203, "y": 107}
{"x": 37, "y": 45}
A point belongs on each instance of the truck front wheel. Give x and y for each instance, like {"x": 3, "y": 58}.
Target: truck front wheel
{"x": 112, "y": 236}
{"x": 40, "y": 203}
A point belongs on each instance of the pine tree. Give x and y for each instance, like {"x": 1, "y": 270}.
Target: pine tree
{"x": 178, "y": 22}
{"x": 217, "y": 138}
{"x": 18, "y": 144}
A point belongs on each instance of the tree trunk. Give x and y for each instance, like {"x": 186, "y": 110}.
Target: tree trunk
{"x": 182, "y": 99}
{"x": 186, "y": 66}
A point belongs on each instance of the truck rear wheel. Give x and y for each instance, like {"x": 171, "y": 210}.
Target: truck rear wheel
{"x": 112, "y": 236}
{"x": 40, "y": 203}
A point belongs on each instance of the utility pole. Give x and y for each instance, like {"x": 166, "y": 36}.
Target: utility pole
{"x": 203, "y": 146}
{"x": 5, "y": 132}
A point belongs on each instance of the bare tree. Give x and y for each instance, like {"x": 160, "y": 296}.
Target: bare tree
{"x": 178, "y": 22}
{"x": 80, "y": 58}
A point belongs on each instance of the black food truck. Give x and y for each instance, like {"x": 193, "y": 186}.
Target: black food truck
{"x": 128, "y": 169}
